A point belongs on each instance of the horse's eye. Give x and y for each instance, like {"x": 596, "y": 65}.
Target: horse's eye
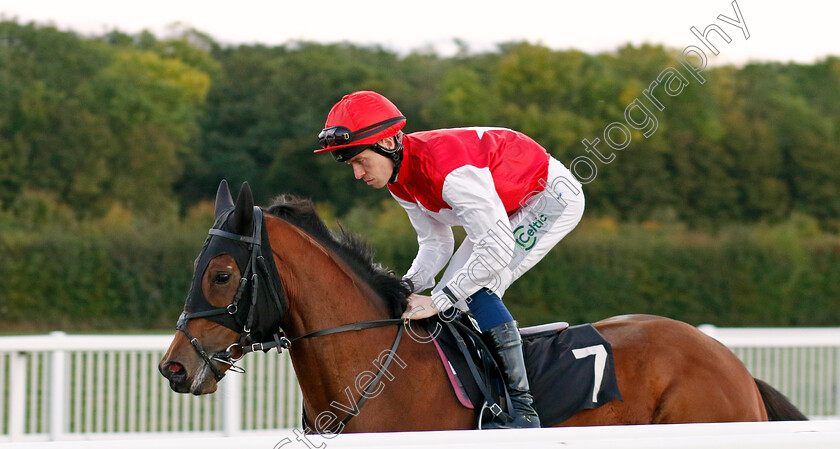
{"x": 222, "y": 278}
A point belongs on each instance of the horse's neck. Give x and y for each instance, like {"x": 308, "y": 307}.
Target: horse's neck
{"x": 323, "y": 292}
{"x": 335, "y": 370}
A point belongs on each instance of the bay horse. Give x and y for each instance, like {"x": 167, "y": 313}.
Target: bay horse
{"x": 262, "y": 271}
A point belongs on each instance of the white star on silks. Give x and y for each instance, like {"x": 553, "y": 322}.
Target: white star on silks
{"x": 480, "y": 130}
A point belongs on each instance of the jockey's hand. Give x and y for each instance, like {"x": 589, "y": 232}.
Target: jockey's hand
{"x": 419, "y": 307}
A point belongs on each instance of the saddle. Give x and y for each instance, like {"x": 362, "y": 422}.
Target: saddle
{"x": 569, "y": 368}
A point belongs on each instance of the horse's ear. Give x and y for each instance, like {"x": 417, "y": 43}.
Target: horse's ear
{"x": 243, "y": 215}
{"x": 223, "y": 199}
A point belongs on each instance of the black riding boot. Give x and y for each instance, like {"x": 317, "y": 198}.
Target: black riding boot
{"x": 507, "y": 343}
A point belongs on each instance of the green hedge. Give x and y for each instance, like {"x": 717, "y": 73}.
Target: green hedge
{"x": 726, "y": 283}
{"x": 135, "y": 278}
{"x": 77, "y": 281}
{"x": 785, "y": 274}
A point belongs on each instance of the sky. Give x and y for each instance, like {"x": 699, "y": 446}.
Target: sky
{"x": 800, "y": 31}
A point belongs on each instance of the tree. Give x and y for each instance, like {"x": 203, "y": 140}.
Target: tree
{"x": 150, "y": 106}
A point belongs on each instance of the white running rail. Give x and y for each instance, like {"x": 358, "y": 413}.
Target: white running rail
{"x": 752, "y": 435}
{"x": 60, "y": 386}
{"x": 802, "y": 363}
{"x": 69, "y": 387}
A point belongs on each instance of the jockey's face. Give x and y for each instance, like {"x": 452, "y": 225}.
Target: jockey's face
{"x": 372, "y": 168}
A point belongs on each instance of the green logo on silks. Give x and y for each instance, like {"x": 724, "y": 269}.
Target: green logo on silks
{"x": 526, "y": 237}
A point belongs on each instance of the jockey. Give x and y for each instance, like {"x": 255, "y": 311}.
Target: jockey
{"x": 512, "y": 198}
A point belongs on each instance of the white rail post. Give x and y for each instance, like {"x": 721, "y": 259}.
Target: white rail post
{"x": 836, "y": 408}
{"x": 232, "y": 404}
{"x": 17, "y": 395}
{"x": 58, "y": 395}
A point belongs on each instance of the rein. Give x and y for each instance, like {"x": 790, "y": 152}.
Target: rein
{"x": 236, "y": 351}
{"x": 285, "y": 343}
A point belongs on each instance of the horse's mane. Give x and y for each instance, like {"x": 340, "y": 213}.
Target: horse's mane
{"x": 352, "y": 249}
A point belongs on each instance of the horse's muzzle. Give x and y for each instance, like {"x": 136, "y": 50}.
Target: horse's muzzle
{"x": 176, "y": 374}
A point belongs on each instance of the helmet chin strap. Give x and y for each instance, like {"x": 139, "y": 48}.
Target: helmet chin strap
{"x": 395, "y": 155}
{"x": 397, "y": 158}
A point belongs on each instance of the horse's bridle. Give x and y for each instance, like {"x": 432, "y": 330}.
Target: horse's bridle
{"x": 256, "y": 266}
{"x": 255, "y": 269}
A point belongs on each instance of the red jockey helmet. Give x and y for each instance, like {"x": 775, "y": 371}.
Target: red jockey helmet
{"x": 360, "y": 119}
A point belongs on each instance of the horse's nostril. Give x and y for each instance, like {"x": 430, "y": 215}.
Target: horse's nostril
{"x": 173, "y": 371}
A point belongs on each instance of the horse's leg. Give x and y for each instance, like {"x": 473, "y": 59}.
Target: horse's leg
{"x": 669, "y": 372}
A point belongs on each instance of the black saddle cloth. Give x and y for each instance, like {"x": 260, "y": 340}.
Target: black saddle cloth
{"x": 568, "y": 371}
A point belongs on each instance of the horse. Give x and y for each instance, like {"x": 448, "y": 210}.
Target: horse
{"x": 263, "y": 271}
